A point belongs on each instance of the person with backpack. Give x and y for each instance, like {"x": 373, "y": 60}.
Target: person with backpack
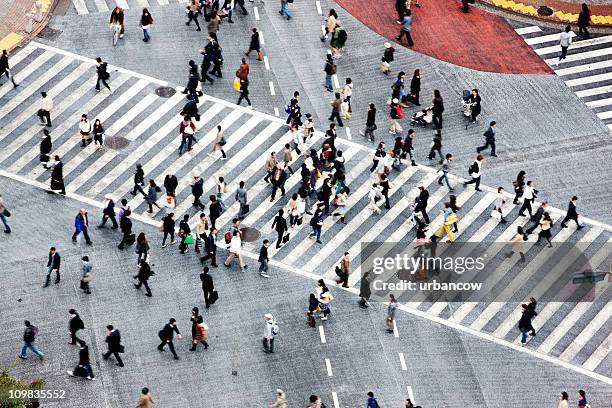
{"x": 270, "y": 331}
{"x": 29, "y": 337}
{"x": 475, "y": 172}
{"x": 395, "y": 115}
{"x": 489, "y": 139}
{"x": 103, "y": 75}
{"x": 330, "y": 70}
{"x": 74, "y": 325}
{"x": 338, "y": 41}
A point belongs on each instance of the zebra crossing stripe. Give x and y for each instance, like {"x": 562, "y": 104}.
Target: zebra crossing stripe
{"x": 24, "y": 93}
{"x": 58, "y": 131}
{"x": 579, "y": 44}
{"x": 593, "y": 91}
{"x": 552, "y": 276}
{"x": 528, "y": 30}
{"x": 20, "y": 55}
{"x": 80, "y": 6}
{"x": 599, "y": 103}
{"x": 101, "y": 5}
{"x": 589, "y": 79}
{"x": 587, "y": 333}
{"x": 604, "y": 115}
{"x": 579, "y": 56}
{"x": 578, "y": 69}
{"x": 546, "y": 38}
{"x": 143, "y": 3}
{"x": 171, "y": 126}
{"x": 599, "y": 354}
{"x": 123, "y": 4}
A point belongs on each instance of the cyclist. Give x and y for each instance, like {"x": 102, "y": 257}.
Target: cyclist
{"x": 117, "y": 18}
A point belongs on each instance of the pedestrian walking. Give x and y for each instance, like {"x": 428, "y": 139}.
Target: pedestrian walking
{"x": 582, "y": 401}
{"x": 529, "y": 196}
{"x": 29, "y": 338}
{"x": 81, "y": 226}
{"x": 83, "y": 368}
{"x": 421, "y": 203}
{"x": 254, "y": 45}
{"x": 170, "y": 184}
{"x": 391, "y": 309}
{"x": 197, "y": 189}
{"x": 584, "y": 20}
{"x": 288, "y": 157}
{"x": 316, "y": 222}
{"x": 145, "y": 400}
{"x": 215, "y": 209}
{"x": 124, "y": 207}
{"x": 436, "y": 145}
{"x": 500, "y": 200}
{"x": 335, "y": 109}
{"x": 370, "y": 123}
{"x": 208, "y": 286}
{"x": 415, "y": 87}
{"x": 281, "y": 399}
{"x": 142, "y": 248}
{"x": 219, "y": 143}
{"x": 193, "y": 9}
{"x": 45, "y": 148}
{"x": 125, "y": 224}
{"x": 364, "y": 291}
{"x": 98, "y": 133}
{"x": 151, "y": 197}
{"x": 315, "y": 402}
{"x": 46, "y": 106}
{"x": 387, "y": 58}
{"x": 338, "y": 40}
{"x": 475, "y": 172}
{"x": 201, "y": 230}
{"x": 113, "y": 340}
{"x": 445, "y": 167}
{"x": 240, "y": 3}
{"x": 235, "y": 250}
{"x": 406, "y": 28}
{"x": 53, "y": 265}
{"x": 395, "y": 115}
{"x": 343, "y": 270}
{"x": 4, "y": 214}
{"x": 241, "y": 197}
{"x": 184, "y": 234}
{"x": 325, "y": 297}
{"x": 330, "y": 24}
{"x": 5, "y": 69}
{"x": 437, "y": 109}
{"x": 210, "y": 246}
{"x": 244, "y": 93}
{"x": 87, "y": 276}
{"x": 519, "y": 186}
{"x": 138, "y": 180}
{"x": 280, "y": 226}
{"x": 146, "y": 21}
{"x": 565, "y": 40}
{"x": 572, "y": 214}
{"x": 264, "y": 259}
{"x": 371, "y": 402}
{"x": 284, "y": 9}
{"x": 278, "y": 180}
{"x": 221, "y": 190}
{"x": 166, "y": 335}
{"x": 524, "y": 325}
{"x": 144, "y": 273}
{"x": 85, "y": 130}
{"x": 400, "y": 8}
{"x": 167, "y": 228}
{"x": 270, "y": 331}
{"x": 108, "y": 213}
{"x": 187, "y": 131}
{"x": 545, "y": 227}
{"x": 408, "y": 148}
{"x": 198, "y": 330}
{"x": 330, "y": 70}
{"x": 217, "y": 60}
{"x": 340, "y": 202}
{"x": 489, "y": 139}
{"x": 450, "y": 218}
{"x": 74, "y": 325}
{"x": 192, "y": 87}
{"x": 537, "y": 217}
{"x": 563, "y": 400}
{"x": 516, "y": 243}
{"x": 102, "y": 70}
{"x": 308, "y": 129}
{"x": 452, "y": 202}
{"x": 208, "y": 53}
{"x": 385, "y": 186}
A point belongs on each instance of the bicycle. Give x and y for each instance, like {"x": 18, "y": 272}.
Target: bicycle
{"x": 115, "y": 29}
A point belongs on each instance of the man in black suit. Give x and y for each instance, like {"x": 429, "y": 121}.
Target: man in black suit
{"x": 126, "y": 227}
{"x": 421, "y": 203}
{"x": 572, "y": 214}
{"x": 74, "y": 325}
{"x": 144, "y": 273}
{"x": 280, "y": 225}
{"x": 197, "y": 191}
{"x": 166, "y": 336}
{"x": 113, "y": 338}
{"x": 210, "y": 246}
{"x": 207, "y": 286}
{"x": 53, "y": 266}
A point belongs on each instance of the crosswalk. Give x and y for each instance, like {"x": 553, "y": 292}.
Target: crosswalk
{"x": 101, "y": 6}
{"x": 587, "y": 70}
{"x": 576, "y": 332}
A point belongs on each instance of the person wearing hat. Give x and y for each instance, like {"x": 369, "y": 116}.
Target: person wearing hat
{"x": 396, "y": 114}
{"x": 270, "y": 331}
{"x": 109, "y": 212}
{"x": 279, "y": 177}
{"x": 387, "y": 58}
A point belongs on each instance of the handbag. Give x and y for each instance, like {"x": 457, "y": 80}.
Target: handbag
{"x": 246, "y": 209}
{"x": 496, "y": 214}
{"x": 6, "y": 213}
{"x": 188, "y": 239}
{"x": 259, "y": 56}
{"x": 82, "y": 284}
{"x": 214, "y": 296}
{"x": 286, "y": 239}
{"x": 222, "y": 141}
{"x": 236, "y": 84}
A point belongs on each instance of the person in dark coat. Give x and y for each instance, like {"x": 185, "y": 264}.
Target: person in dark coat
{"x": 102, "y": 71}
{"x": 364, "y": 290}
{"x": 166, "y": 336}
{"x": 207, "y": 285}
{"x": 113, "y": 339}
{"x": 489, "y": 139}
{"x": 84, "y": 362}
{"x": 217, "y": 60}
{"x": 415, "y": 87}
{"x": 280, "y": 226}
{"x": 215, "y": 210}
{"x": 572, "y": 214}
{"x": 53, "y": 265}
{"x": 109, "y": 213}
{"x": 210, "y": 246}
{"x": 126, "y": 228}
{"x": 254, "y": 45}
{"x": 207, "y": 59}
{"x": 438, "y": 108}
{"x": 519, "y": 186}
{"x": 45, "y": 148}
{"x": 474, "y": 100}
{"x": 524, "y": 324}
{"x": 4, "y": 68}
{"x": 584, "y": 19}
{"x": 278, "y": 179}
{"x": 197, "y": 189}
{"x": 191, "y": 108}
{"x": 57, "y": 177}
{"x": 144, "y": 273}
{"x": 81, "y": 225}
{"x": 370, "y": 123}
{"x": 421, "y": 203}
{"x": 168, "y": 228}
{"x": 74, "y": 325}
{"x": 184, "y": 231}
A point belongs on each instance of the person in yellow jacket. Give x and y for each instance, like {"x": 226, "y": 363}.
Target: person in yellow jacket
{"x": 450, "y": 217}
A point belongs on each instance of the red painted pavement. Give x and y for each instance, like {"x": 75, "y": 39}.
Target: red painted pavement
{"x": 477, "y": 40}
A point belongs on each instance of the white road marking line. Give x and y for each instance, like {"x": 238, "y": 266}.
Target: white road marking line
{"x": 403, "y": 362}
{"x": 322, "y": 334}
{"x": 395, "y": 331}
{"x": 272, "y": 92}
{"x": 336, "y": 83}
{"x": 594, "y": 91}
{"x": 589, "y": 79}
{"x": 329, "y": 368}
{"x": 80, "y": 6}
{"x": 276, "y": 112}
{"x": 335, "y": 399}
{"x": 584, "y": 68}
{"x": 266, "y": 62}
{"x": 527, "y": 30}
{"x": 410, "y": 394}
{"x": 323, "y": 29}
{"x": 261, "y": 38}
{"x": 164, "y": 2}
{"x": 348, "y": 133}
{"x": 143, "y": 3}
{"x": 599, "y": 354}
{"x": 604, "y": 115}
{"x": 319, "y": 11}
{"x": 123, "y": 4}
{"x": 587, "y": 333}
{"x": 579, "y": 44}
{"x": 101, "y": 5}
{"x": 579, "y": 56}
{"x": 546, "y": 38}
{"x": 256, "y": 12}
{"x": 20, "y": 55}
{"x": 599, "y": 103}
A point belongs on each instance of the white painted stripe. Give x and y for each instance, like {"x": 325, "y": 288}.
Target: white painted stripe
{"x": 587, "y": 333}
{"x": 163, "y": 2}
{"x": 336, "y": 83}
{"x": 610, "y": 126}
{"x": 323, "y": 29}
{"x": 546, "y": 38}
{"x": 318, "y": 4}
{"x": 579, "y": 56}
{"x": 256, "y": 12}
{"x": 272, "y": 92}
{"x": 261, "y": 38}
{"x": 599, "y": 103}
{"x": 122, "y": 3}
{"x": 266, "y": 62}
{"x": 101, "y": 5}
{"x": 348, "y": 133}
{"x": 20, "y": 55}
{"x": 594, "y": 91}
{"x": 335, "y": 399}
{"x": 560, "y": 267}
{"x": 31, "y": 110}
{"x": 143, "y": 3}
{"x": 395, "y": 331}
{"x": 527, "y": 30}
{"x": 134, "y": 134}
{"x": 599, "y": 354}
{"x": 411, "y": 395}
{"x": 25, "y": 92}
{"x": 105, "y": 114}
{"x": 322, "y": 334}
{"x": 93, "y": 63}
{"x": 584, "y": 68}
{"x": 276, "y": 112}
{"x": 80, "y": 6}
{"x": 604, "y": 115}
{"x": 579, "y": 44}
{"x": 589, "y": 79}
{"x": 403, "y": 362}
{"x": 329, "y": 368}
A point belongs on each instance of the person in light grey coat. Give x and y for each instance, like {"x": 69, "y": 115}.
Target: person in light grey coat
{"x": 241, "y": 197}
{"x": 151, "y": 197}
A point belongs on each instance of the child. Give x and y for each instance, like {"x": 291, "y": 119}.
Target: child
{"x": 387, "y": 58}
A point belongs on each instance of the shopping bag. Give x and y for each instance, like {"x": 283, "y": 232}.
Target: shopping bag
{"x": 188, "y": 239}
{"x": 236, "y": 84}
{"x": 496, "y": 214}
{"x": 259, "y": 56}
{"x": 214, "y": 296}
